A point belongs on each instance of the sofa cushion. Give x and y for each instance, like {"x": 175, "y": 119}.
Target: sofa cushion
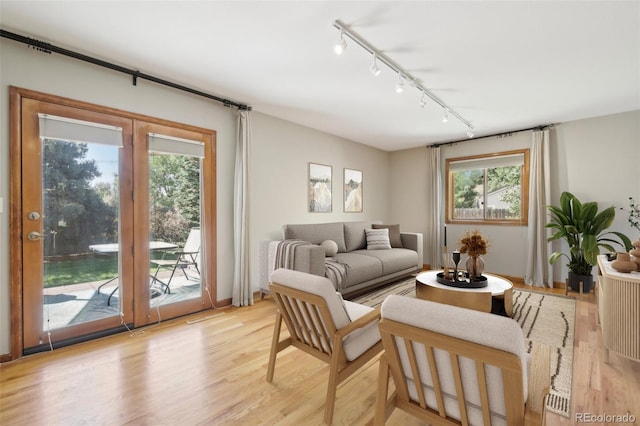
{"x": 361, "y": 268}
{"x": 316, "y": 233}
{"x": 378, "y": 239}
{"x": 393, "y": 260}
{"x": 354, "y": 237}
{"x": 394, "y": 234}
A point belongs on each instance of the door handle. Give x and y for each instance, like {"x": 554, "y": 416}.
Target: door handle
{"x": 34, "y": 235}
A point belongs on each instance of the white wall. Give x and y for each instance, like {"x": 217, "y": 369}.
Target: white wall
{"x": 409, "y": 171}
{"x": 281, "y": 152}
{"x": 597, "y": 159}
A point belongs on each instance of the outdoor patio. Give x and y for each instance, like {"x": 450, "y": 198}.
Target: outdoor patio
{"x": 79, "y": 303}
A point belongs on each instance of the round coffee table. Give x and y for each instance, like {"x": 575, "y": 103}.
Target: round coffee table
{"x": 496, "y": 297}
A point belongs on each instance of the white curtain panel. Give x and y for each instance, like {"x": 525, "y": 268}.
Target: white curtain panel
{"x": 434, "y": 216}
{"x": 539, "y": 272}
{"x": 242, "y": 293}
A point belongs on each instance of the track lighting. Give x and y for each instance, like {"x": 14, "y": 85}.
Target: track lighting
{"x": 400, "y": 85}
{"x": 375, "y": 69}
{"x": 403, "y": 75}
{"x": 341, "y": 46}
{"x": 469, "y": 132}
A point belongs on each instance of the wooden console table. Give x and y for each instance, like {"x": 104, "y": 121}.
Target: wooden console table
{"x": 619, "y": 310}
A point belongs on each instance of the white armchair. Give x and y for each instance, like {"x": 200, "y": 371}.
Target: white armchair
{"x": 343, "y": 334}
{"x": 453, "y": 365}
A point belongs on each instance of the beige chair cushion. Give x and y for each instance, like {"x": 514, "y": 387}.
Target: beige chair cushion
{"x": 358, "y": 341}
{"x": 342, "y": 311}
{"x": 320, "y": 286}
{"x": 473, "y": 326}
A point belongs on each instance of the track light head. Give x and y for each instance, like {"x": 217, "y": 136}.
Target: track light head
{"x": 375, "y": 69}
{"x": 400, "y": 85}
{"x": 445, "y": 117}
{"x": 341, "y": 46}
{"x": 469, "y": 133}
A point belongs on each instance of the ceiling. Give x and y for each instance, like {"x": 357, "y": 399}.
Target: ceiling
{"x": 500, "y": 65}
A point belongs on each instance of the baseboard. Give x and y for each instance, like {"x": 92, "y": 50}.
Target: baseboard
{"x": 514, "y": 280}
{"x": 5, "y": 358}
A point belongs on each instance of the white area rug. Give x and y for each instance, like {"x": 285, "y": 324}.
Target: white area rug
{"x": 544, "y": 318}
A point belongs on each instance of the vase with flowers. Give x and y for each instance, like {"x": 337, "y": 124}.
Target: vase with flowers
{"x": 475, "y": 245}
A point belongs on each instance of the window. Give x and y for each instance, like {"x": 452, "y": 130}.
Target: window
{"x": 490, "y": 188}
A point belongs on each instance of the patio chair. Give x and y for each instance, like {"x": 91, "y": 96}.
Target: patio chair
{"x": 458, "y": 366}
{"x": 341, "y": 333}
{"x": 185, "y": 257}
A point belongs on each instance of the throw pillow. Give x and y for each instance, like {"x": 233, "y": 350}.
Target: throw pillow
{"x": 378, "y": 239}
{"x": 330, "y": 248}
{"x": 394, "y": 234}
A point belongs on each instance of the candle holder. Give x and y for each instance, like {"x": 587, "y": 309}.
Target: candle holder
{"x": 456, "y": 260}
{"x": 445, "y": 261}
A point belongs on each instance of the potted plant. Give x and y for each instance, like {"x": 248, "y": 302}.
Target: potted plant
{"x": 582, "y": 227}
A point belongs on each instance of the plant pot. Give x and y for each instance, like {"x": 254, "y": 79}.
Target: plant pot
{"x": 574, "y": 282}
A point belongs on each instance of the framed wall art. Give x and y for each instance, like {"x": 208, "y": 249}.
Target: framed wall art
{"x": 319, "y": 188}
{"x": 352, "y": 191}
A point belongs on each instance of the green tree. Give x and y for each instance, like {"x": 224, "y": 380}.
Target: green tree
{"x": 174, "y": 188}
{"x": 75, "y": 214}
{"x": 465, "y": 183}
{"x": 506, "y": 177}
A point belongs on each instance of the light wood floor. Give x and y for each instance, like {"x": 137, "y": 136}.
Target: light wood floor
{"x": 213, "y": 372}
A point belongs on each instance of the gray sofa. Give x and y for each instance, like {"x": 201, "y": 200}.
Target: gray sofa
{"x": 354, "y": 269}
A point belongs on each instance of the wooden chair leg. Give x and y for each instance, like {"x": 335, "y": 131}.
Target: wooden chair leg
{"x": 332, "y": 387}
{"x": 381, "y": 412}
{"x": 275, "y": 342}
{"x": 508, "y": 301}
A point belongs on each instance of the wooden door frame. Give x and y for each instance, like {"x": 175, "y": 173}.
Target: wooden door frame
{"x": 31, "y": 200}
{"x": 144, "y": 314}
{"x": 16, "y": 284}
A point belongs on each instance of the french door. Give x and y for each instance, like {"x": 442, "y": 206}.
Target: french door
{"x": 107, "y": 207}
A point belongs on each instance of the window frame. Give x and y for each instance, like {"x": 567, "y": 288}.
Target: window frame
{"x": 524, "y": 188}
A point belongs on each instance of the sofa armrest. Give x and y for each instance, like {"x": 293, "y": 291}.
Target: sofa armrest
{"x": 310, "y": 259}
{"x": 413, "y": 241}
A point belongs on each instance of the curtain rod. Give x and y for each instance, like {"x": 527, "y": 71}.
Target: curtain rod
{"x": 508, "y": 133}
{"x": 45, "y": 47}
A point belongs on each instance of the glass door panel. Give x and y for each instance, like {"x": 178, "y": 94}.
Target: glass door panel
{"x": 175, "y": 187}
{"x": 81, "y": 248}
{"x": 174, "y": 222}
{"x": 72, "y": 215}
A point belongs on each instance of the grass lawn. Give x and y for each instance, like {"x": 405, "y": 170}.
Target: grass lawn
{"x": 82, "y": 270}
